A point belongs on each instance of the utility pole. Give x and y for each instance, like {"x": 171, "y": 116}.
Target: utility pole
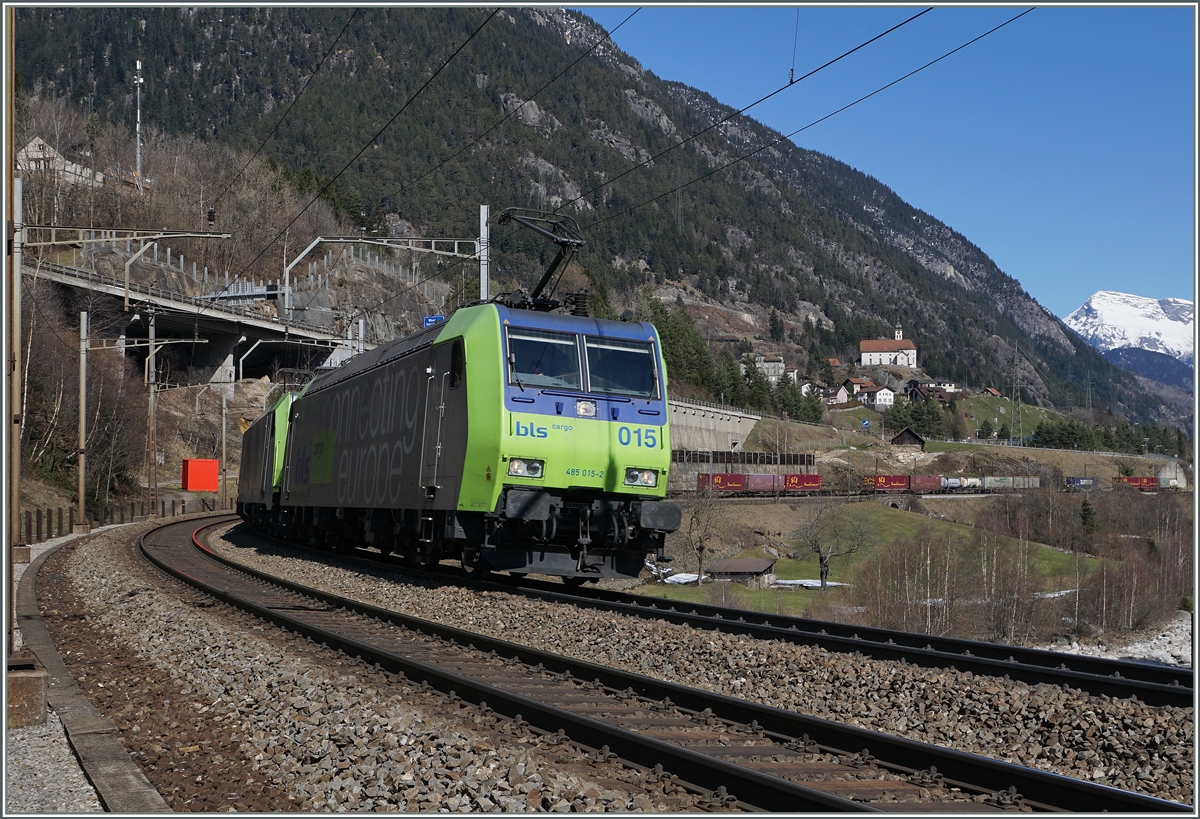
{"x": 484, "y": 250}
{"x": 138, "y": 82}
{"x": 224, "y": 467}
{"x": 14, "y": 362}
{"x": 151, "y": 445}
{"x": 85, "y": 522}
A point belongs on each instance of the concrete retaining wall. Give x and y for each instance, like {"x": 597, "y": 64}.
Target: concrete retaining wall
{"x": 705, "y": 426}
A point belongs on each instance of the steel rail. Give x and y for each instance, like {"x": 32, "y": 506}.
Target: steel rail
{"x": 768, "y": 792}
{"x": 1152, "y": 683}
{"x": 975, "y": 773}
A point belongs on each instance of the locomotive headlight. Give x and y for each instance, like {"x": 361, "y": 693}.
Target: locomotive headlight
{"x": 585, "y": 409}
{"x": 525, "y": 468}
{"x": 641, "y": 477}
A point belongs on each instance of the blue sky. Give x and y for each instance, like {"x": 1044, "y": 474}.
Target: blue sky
{"x": 1062, "y": 145}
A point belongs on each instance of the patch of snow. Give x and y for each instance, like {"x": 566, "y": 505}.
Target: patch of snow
{"x": 1108, "y": 320}
{"x": 806, "y": 584}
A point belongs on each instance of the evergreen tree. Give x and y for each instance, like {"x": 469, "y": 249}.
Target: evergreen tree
{"x": 900, "y": 416}
{"x": 812, "y": 408}
{"x": 1087, "y": 517}
{"x": 759, "y": 394}
{"x": 776, "y": 326}
{"x": 1005, "y": 433}
{"x": 985, "y": 429}
{"x": 826, "y": 373}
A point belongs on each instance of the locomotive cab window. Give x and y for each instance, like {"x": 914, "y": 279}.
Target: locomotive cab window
{"x": 538, "y": 358}
{"x": 619, "y": 367}
{"x": 456, "y": 364}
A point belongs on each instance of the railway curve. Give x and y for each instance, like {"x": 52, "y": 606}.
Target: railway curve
{"x": 912, "y": 766}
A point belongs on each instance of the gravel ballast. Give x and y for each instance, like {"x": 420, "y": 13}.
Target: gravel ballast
{"x": 224, "y": 712}
{"x": 1122, "y": 743}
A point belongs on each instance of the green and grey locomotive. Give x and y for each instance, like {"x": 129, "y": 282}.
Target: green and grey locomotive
{"x": 508, "y": 439}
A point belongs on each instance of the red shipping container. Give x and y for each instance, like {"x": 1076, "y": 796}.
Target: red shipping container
{"x": 729, "y": 481}
{"x": 926, "y": 483}
{"x": 721, "y": 481}
{"x": 1140, "y": 483}
{"x": 200, "y": 474}
{"x": 889, "y": 483}
{"x": 761, "y": 483}
{"x": 793, "y": 483}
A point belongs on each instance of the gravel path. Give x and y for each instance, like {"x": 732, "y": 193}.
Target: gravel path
{"x": 41, "y": 773}
{"x": 1122, "y": 743}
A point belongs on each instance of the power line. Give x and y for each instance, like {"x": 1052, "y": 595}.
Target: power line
{"x": 511, "y": 113}
{"x": 303, "y": 88}
{"x": 741, "y": 111}
{"x": 727, "y": 165}
{"x": 361, "y": 151}
{"x": 698, "y": 133}
{"x": 775, "y": 142}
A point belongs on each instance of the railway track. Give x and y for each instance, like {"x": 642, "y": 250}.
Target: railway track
{"x": 741, "y": 754}
{"x": 1151, "y": 683}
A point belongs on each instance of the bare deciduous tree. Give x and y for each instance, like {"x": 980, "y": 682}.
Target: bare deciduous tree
{"x": 703, "y": 517}
{"x": 828, "y": 541}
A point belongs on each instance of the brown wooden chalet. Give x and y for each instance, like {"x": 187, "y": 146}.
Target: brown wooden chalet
{"x": 907, "y": 437}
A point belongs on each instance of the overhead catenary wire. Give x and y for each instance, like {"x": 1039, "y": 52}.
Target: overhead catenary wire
{"x": 646, "y": 162}
{"x": 704, "y": 176}
{"x": 715, "y": 124}
{"x": 291, "y": 105}
{"x": 743, "y": 110}
{"x": 775, "y": 142}
{"x": 506, "y": 117}
{"x": 360, "y": 152}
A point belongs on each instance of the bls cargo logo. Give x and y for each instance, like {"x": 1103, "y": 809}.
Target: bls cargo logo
{"x": 530, "y": 431}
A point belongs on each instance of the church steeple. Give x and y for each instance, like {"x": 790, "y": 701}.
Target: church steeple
{"x": 899, "y": 333}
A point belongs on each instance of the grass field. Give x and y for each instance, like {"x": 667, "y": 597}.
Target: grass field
{"x": 778, "y": 525}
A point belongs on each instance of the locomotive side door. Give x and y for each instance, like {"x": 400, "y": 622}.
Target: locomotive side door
{"x": 437, "y": 375}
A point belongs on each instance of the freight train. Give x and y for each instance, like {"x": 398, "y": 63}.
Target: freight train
{"x": 736, "y": 483}
{"x": 509, "y": 437}
{"x": 739, "y": 483}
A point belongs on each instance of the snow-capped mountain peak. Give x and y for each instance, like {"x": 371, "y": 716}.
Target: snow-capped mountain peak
{"x": 1109, "y": 320}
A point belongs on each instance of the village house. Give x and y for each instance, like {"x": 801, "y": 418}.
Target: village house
{"x": 770, "y": 364}
{"x": 920, "y": 392}
{"x": 757, "y": 573}
{"x": 933, "y": 383}
{"x": 895, "y": 352}
{"x": 876, "y": 397}
{"x": 906, "y": 437}
{"x": 835, "y": 395}
{"x": 853, "y": 385}
{"x": 39, "y": 157}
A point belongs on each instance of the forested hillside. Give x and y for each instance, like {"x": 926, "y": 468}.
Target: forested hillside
{"x": 835, "y": 252}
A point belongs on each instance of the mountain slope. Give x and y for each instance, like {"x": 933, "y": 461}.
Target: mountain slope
{"x": 1158, "y": 367}
{"x": 787, "y": 228}
{"x": 1110, "y": 320}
